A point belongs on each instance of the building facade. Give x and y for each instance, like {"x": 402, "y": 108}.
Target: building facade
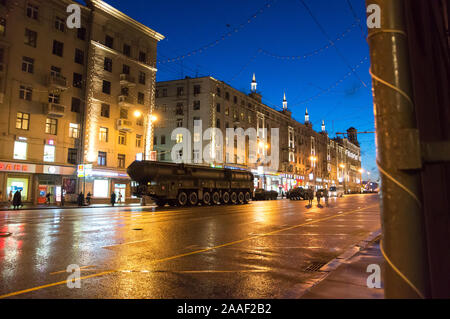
{"x": 305, "y": 157}
{"x": 80, "y": 96}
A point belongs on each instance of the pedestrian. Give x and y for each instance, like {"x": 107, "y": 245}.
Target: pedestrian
{"x": 63, "y": 194}
{"x": 318, "y": 195}
{"x": 10, "y": 197}
{"x": 80, "y": 199}
{"x": 325, "y": 196}
{"x": 120, "y": 198}
{"x": 88, "y": 198}
{"x": 113, "y": 198}
{"x": 48, "y": 198}
{"x": 17, "y": 200}
{"x": 310, "y": 196}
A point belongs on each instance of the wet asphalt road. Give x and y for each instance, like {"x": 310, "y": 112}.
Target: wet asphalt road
{"x": 259, "y": 250}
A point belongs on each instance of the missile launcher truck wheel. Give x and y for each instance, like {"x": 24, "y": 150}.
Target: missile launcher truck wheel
{"x": 206, "y": 198}
{"x": 226, "y": 198}
{"x": 193, "y": 199}
{"x": 241, "y": 198}
{"x": 247, "y": 197}
{"x": 216, "y": 198}
{"x": 182, "y": 199}
{"x": 233, "y": 198}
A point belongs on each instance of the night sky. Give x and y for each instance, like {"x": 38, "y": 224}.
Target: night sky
{"x": 247, "y": 34}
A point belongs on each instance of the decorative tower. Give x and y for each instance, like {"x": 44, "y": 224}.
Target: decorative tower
{"x": 306, "y": 116}
{"x": 254, "y": 84}
{"x": 323, "y": 126}
{"x": 284, "y": 102}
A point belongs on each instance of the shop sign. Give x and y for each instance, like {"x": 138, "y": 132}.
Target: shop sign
{"x": 15, "y": 167}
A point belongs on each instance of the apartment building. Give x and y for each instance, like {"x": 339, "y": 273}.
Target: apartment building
{"x": 73, "y": 97}
{"x": 305, "y": 157}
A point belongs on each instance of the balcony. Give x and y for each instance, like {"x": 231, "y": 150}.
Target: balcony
{"x": 57, "y": 81}
{"x": 127, "y": 80}
{"x": 54, "y": 110}
{"x": 125, "y": 101}
{"x": 124, "y": 125}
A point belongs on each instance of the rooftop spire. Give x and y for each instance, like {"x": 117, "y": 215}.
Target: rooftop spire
{"x": 254, "y": 84}
{"x": 323, "y": 126}
{"x": 284, "y": 101}
{"x": 306, "y": 116}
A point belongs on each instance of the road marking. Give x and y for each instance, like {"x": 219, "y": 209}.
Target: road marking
{"x": 185, "y": 254}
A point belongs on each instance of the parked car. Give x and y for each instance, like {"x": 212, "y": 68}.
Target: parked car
{"x": 336, "y": 191}
{"x": 297, "y": 193}
{"x": 261, "y": 194}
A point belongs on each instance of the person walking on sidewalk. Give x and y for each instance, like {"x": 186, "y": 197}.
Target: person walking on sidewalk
{"x": 318, "y": 195}
{"x": 17, "y": 200}
{"x": 80, "y": 199}
{"x": 325, "y": 196}
{"x": 310, "y": 195}
{"x": 10, "y": 197}
{"x": 113, "y": 198}
{"x": 88, "y": 198}
{"x": 120, "y": 198}
{"x": 48, "y": 198}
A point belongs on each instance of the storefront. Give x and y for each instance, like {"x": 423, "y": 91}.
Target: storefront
{"x": 33, "y": 181}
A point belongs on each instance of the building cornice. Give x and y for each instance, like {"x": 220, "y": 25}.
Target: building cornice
{"x": 103, "y": 6}
{"x": 112, "y": 51}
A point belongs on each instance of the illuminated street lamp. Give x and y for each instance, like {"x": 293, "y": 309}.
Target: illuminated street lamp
{"x": 137, "y": 113}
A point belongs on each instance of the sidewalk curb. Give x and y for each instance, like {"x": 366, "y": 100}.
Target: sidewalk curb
{"x": 73, "y": 207}
{"x": 343, "y": 258}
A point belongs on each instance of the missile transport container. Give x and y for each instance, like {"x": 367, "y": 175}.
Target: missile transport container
{"x": 182, "y": 184}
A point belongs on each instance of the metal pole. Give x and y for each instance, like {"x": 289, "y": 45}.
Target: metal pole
{"x": 403, "y": 240}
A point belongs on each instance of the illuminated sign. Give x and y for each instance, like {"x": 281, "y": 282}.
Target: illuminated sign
{"x": 80, "y": 170}
{"x": 153, "y": 155}
{"x": 15, "y": 167}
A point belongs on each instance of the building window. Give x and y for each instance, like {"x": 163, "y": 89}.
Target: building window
{"x": 101, "y": 188}
{"x": 26, "y": 93}
{"x": 77, "y": 80}
{"x": 196, "y": 105}
{"x": 106, "y": 87}
{"x": 53, "y": 98}
{"x": 142, "y": 57}
{"x": 126, "y": 69}
{"x": 30, "y": 38}
{"x": 179, "y": 122}
{"x": 22, "y": 121}
{"x": 142, "y": 77}
{"x": 76, "y": 105}
{"x": 162, "y": 156}
{"x": 180, "y": 91}
{"x": 124, "y": 114}
{"x": 218, "y": 92}
{"x": 58, "y": 48}
{"x": 140, "y": 121}
{"x": 138, "y": 140}
{"x": 141, "y": 98}
{"x": 107, "y": 64}
{"x": 218, "y": 107}
{"x": 74, "y": 130}
{"x": 235, "y": 99}
{"x": 163, "y": 140}
{"x": 51, "y": 126}
{"x": 218, "y": 123}
{"x": 60, "y": 24}
{"x": 27, "y": 64}
{"x": 103, "y": 135}
{"x": 155, "y": 140}
{"x": 49, "y": 153}
{"x": 72, "y": 156}
{"x": 55, "y": 71}
{"x": 197, "y": 89}
{"x": 101, "y": 159}
{"x": 121, "y": 160}
{"x": 79, "y": 56}
{"x": 81, "y": 33}
{"x": 32, "y": 11}
{"x": 109, "y": 41}
{"x": 126, "y": 50}
{"x": 122, "y": 138}
{"x": 164, "y": 92}
{"x": 20, "y": 150}
{"x": 104, "y": 112}
{"x": 179, "y": 138}
{"x": 227, "y": 96}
